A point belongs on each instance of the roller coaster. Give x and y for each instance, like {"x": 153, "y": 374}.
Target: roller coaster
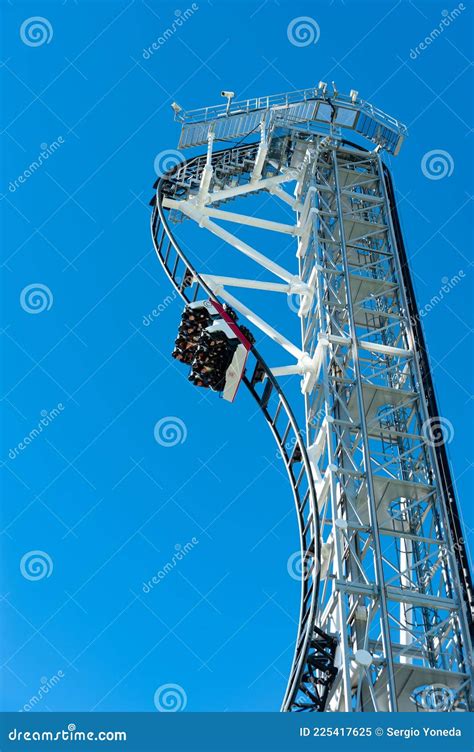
{"x": 386, "y": 614}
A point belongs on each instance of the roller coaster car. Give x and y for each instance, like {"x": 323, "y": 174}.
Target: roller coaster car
{"x": 216, "y": 348}
{"x": 195, "y": 317}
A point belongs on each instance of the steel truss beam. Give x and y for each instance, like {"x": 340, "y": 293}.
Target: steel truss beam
{"x": 390, "y": 623}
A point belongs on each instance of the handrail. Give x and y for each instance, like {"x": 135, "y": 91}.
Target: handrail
{"x": 205, "y": 114}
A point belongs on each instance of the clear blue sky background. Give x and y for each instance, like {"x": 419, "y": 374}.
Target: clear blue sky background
{"x": 95, "y": 491}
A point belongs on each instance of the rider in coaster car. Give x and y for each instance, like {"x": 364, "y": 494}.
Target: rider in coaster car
{"x": 247, "y": 334}
{"x": 230, "y": 312}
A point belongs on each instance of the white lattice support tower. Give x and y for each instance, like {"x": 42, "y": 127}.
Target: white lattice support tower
{"x": 386, "y": 620}
{"x": 392, "y": 580}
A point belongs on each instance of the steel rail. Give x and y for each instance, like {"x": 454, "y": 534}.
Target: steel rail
{"x": 433, "y": 411}
{"x": 274, "y": 405}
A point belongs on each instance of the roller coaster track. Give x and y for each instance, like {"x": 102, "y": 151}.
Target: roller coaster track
{"x": 312, "y": 671}
{"x": 267, "y": 392}
{"x": 430, "y": 396}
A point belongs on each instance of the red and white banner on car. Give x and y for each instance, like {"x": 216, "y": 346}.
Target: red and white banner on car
{"x": 236, "y": 369}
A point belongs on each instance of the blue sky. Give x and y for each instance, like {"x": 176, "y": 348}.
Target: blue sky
{"x": 94, "y": 490}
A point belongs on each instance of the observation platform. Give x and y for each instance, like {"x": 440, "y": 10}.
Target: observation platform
{"x": 303, "y": 109}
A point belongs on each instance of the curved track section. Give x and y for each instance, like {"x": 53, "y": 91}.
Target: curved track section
{"x": 277, "y": 412}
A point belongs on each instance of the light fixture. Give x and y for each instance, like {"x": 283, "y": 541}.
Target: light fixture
{"x": 353, "y": 95}
{"x": 175, "y": 107}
